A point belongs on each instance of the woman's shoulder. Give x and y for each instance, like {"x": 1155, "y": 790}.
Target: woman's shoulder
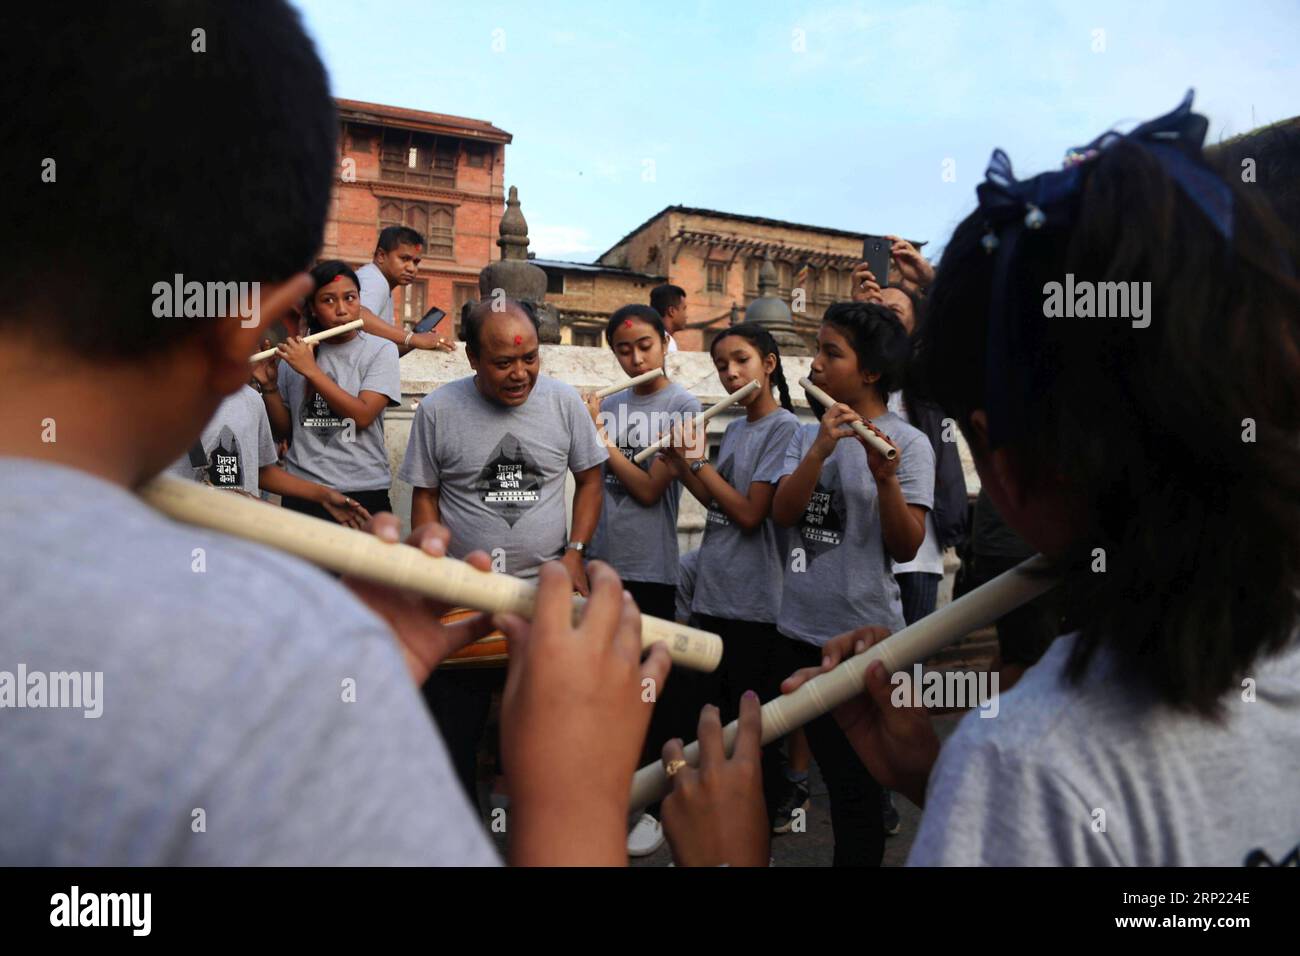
{"x": 679, "y": 396}
{"x": 375, "y": 348}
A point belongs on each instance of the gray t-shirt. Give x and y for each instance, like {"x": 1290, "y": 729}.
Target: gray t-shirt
{"x": 1105, "y": 774}
{"x": 639, "y": 541}
{"x": 687, "y": 570}
{"x": 838, "y": 573}
{"x": 375, "y": 293}
{"x": 225, "y": 735}
{"x": 235, "y": 445}
{"x": 327, "y": 448}
{"x": 500, "y": 471}
{"x": 740, "y": 571}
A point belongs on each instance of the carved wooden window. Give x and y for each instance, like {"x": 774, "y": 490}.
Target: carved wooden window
{"x": 436, "y": 223}
{"x": 418, "y": 158}
{"x": 717, "y": 276}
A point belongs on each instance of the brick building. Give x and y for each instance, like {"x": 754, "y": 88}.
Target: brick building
{"x": 586, "y": 295}
{"x": 715, "y": 256}
{"x": 441, "y": 175}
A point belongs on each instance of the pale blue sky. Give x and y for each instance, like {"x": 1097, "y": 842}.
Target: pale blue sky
{"x": 851, "y": 131}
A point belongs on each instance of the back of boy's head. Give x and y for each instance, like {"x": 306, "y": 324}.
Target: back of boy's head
{"x": 664, "y": 297}
{"x": 390, "y": 237}
{"x": 1144, "y": 429}
{"x": 878, "y": 340}
{"x": 195, "y": 139}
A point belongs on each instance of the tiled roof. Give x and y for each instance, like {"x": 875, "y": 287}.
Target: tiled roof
{"x": 357, "y": 110}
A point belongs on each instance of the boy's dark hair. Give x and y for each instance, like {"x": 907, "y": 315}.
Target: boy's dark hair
{"x": 642, "y": 313}
{"x": 762, "y": 340}
{"x": 390, "y": 237}
{"x": 321, "y": 276}
{"x": 472, "y": 320}
{"x": 214, "y": 165}
{"x": 1144, "y": 429}
{"x": 1275, "y": 152}
{"x": 878, "y": 339}
{"x": 664, "y": 297}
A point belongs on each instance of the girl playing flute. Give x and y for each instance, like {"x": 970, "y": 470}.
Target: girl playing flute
{"x": 331, "y": 397}
{"x": 854, "y": 510}
{"x": 738, "y": 586}
{"x": 1153, "y": 455}
{"x": 637, "y": 532}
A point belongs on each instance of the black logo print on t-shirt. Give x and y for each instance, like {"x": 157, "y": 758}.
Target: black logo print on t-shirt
{"x": 822, "y": 527}
{"x": 317, "y": 415}
{"x": 715, "y": 513}
{"x": 225, "y": 465}
{"x": 510, "y": 483}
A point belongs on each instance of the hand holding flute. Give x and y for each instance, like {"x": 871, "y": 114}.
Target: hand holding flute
{"x": 312, "y": 339}
{"x": 842, "y": 683}
{"x": 392, "y": 565}
{"x": 868, "y": 433}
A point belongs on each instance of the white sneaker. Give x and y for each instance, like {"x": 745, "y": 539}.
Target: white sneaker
{"x": 646, "y": 837}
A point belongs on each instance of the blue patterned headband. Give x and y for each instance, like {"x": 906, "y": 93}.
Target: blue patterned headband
{"x": 1011, "y": 207}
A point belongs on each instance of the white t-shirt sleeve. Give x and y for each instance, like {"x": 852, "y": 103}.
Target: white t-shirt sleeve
{"x": 375, "y": 294}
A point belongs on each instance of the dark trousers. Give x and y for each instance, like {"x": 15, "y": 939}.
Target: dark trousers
{"x": 372, "y": 501}
{"x": 459, "y": 699}
{"x": 678, "y": 702}
{"x": 856, "y": 820}
{"x": 920, "y": 593}
{"x": 753, "y": 658}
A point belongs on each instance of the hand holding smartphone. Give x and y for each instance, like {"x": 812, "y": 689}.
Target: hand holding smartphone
{"x": 876, "y": 253}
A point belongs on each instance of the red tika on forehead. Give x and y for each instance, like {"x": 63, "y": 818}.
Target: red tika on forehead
{"x": 627, "y": 323}
{"x": 519, "y": 340}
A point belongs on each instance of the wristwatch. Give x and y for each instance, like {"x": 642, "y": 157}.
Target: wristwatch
{"x": 697, "y": 464}
{"x": 578, "y": 546}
